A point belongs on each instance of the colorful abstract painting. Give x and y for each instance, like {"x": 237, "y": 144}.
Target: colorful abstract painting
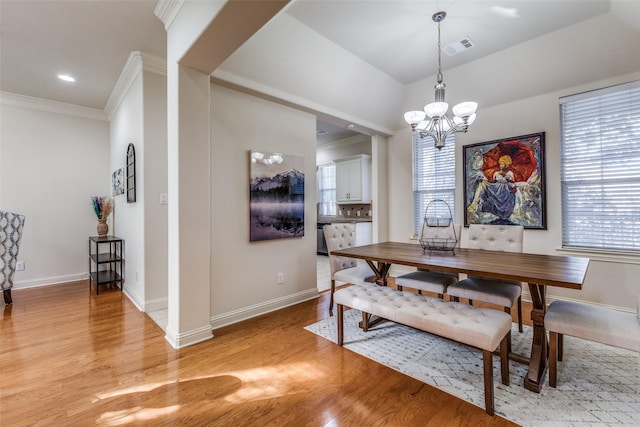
{"x": 504, "y": 182}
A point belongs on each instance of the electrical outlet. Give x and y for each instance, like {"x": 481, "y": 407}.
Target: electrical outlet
{"x": 280, "y": 278}
{"x": 19, "y": 265}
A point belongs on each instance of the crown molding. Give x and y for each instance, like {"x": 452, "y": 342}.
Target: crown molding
{"x": 154, "y": 64}
{"x": 136, "y": 62}
{"x": 13, "y": 99}
{"x": 167, "y": 10}
{"x": 350, "y": 140}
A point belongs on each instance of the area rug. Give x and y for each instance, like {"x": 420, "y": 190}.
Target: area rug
{"x": 598, "y": 385}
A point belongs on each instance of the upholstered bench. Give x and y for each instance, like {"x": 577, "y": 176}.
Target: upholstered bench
{"x": 482, "y": 328}
{"x": 590, "y": 322}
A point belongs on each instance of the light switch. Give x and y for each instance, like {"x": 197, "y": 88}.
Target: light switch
{"x": 163, "y": 199}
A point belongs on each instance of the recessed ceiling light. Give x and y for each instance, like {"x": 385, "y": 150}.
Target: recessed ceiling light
{"x": 66, "y": 78}
{"x": 351, "y": 126}
{"x": 507, "y": 12}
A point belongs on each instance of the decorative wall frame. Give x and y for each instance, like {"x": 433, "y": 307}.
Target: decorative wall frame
{"x": 504, "y": 182}
{"x": 116, "y": 182}
{"x": 131, "y": 174}
{"x": 276, "y": 195}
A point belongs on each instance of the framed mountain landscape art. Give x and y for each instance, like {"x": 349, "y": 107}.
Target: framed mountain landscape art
{"x": 276, "y": 196}
{"x": 504, "y": 182}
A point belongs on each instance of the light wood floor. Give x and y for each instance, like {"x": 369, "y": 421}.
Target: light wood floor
{"x": 71, "y": 358}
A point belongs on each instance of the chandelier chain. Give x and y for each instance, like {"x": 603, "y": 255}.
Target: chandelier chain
{"x": 438, "y": 125}
{"x": 439, "y": 57}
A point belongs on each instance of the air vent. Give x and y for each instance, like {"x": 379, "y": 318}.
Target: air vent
{"x": 459, "y": 46}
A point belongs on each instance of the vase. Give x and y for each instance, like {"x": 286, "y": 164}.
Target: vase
{"x": 103, "y": 227}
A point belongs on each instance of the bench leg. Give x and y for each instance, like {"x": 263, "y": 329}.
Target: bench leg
{"x": 340, "y": 324}
{"x": 487, "y": 358}
{"x": 504, "y": 359}
{"x": 553, "y": 358}
{"x": 365, "y": 322}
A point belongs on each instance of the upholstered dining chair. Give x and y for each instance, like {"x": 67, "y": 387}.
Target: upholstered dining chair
{"x": 505, "y": 238}
{"x": 432, "y": 280}
{"x": 11, "y": 225}
{"x": 590, "y": 322}
{"x": 349, "y": 270}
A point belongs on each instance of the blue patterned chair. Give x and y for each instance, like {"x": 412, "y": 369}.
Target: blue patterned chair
{"x": 11, "y": 225}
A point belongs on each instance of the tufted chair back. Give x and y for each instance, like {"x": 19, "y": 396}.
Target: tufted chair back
{"x": 11, "y": 225}
{"x": 504, "y": 238}
{"x": 340, "y": 236}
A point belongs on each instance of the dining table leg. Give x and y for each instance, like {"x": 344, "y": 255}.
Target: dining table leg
{"x": 538, "y": 361}
{"x": 381, "y": 270}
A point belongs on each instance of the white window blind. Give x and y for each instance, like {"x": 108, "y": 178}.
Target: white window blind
{"x": 600, "y": 172}
{"x": 434, "y": 177}
{"x": 327, "y": 190}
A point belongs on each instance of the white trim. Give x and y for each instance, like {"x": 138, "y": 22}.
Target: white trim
{"x": 47, "y": 281}
{"x": 244, "y": 85}
{"x": 599, "y": 92}
{"x": 191, "y": 337}
{"x": 23, "y": 101}
{"x": 350, "y": 140}
{"x": 549, "y": 300}
{"x": 249, "y": 312}
{"x": 167, "y": 10}
{"x": 133, "y": 298}
{"x": 154, "y": 64}
{"x": 156, "y": 304}
{"x": 136, "y": 62}
{"x": 605, "y": 256}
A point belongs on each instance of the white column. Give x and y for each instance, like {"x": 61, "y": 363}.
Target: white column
{"x": 189, "y": 294}
{"x": 379, "y": 189}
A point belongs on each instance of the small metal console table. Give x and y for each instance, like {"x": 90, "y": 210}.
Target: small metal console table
{"x": 106, "y": 266}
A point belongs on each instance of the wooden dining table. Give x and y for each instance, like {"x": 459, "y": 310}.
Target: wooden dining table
{"x": 537, "y": 270}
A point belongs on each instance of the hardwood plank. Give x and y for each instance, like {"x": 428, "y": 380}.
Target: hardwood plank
{"x": 70, "y": 357}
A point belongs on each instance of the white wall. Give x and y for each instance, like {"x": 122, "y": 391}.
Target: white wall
{"x": 609, "y": 281}
{"x": 301, "y": 66}
{"x": 51, "y": 164}
{"x": 127, "y": 126}
{"x": 244, "y": 272}
{"x": 154, "y": 182}
{"x": 140, "y": 119}
{"x": 357, "y": 144}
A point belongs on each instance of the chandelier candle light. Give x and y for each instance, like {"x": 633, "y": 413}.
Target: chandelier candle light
{"x": 441, "y": 126}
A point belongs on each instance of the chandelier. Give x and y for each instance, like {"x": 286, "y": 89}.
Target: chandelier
{"x": 440, "y": 126}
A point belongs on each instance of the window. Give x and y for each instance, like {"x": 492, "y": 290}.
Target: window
{"x": 600, "y": 169}
{"x": 327, "y": 190}
{"x": 434, "y": 177}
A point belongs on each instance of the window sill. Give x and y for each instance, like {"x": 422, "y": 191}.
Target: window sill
{"x": 598, "y": 255}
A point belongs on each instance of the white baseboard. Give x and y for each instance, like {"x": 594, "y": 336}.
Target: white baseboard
{"x": 133, "y": 298}
{"x": 47, "y": 281}
{"x": 184, "y": 339}
{"x": 249, "y": 312}
{"x": 156, "y": 304}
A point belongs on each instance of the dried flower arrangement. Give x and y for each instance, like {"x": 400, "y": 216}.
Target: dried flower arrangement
{"x": 102, "y": 206}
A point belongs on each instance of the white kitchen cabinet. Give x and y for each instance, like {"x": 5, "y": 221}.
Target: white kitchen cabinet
{"x": 363, "y": 233}
{"x": 353, "y": 179}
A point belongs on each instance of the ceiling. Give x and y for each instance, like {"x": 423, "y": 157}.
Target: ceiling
{"x": 91, "y": 40}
